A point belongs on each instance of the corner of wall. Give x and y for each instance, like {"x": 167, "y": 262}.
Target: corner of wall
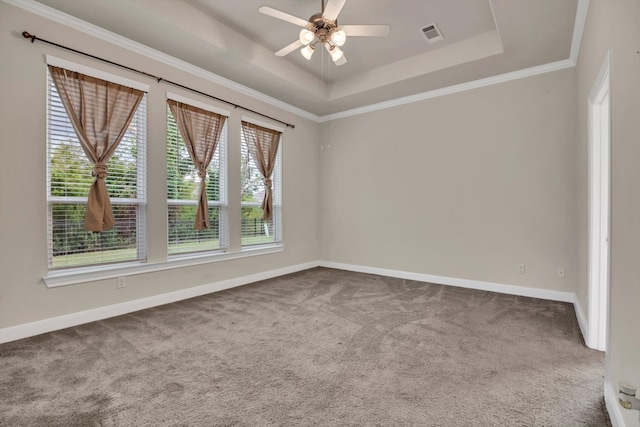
{"x": 582, "y": 320}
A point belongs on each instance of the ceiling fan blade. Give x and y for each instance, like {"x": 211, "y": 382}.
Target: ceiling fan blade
{"x": 284, "y": 16}
{"x": 290, "y": 48}
{"x": 332, "y": 9}
{"x": 366, "y": 30}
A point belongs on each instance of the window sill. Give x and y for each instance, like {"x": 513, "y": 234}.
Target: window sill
{"x": 90, "y": 274}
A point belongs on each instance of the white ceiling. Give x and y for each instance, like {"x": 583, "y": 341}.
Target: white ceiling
{"x": 483, "y": 38}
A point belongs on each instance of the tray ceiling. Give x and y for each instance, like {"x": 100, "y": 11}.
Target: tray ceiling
{"x": 483, "y": 38}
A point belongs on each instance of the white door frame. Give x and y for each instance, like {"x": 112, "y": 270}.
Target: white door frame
{"x": 599, "y": 205}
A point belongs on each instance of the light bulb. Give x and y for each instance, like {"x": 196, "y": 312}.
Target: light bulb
{"x": 339, "y": 37}
{"x": 307, "y": 52}
{"x": 306, "y": 36}
{"x": 336, "y": 53}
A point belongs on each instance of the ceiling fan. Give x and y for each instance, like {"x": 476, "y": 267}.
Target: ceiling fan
{"x": 323, "y": 28}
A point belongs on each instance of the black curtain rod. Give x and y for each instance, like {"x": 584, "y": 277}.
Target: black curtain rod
{"x": 33, "y": 38}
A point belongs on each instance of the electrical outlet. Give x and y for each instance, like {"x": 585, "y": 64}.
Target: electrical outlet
{"x": 121, "y": 282}
{"x": 560, "y": 271}
{"x": 521, "y": 268}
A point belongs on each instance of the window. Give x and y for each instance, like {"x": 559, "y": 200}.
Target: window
{"x": 68, "y": 181}
{"x": 182, "y": 195}
{"x": 254, "y": 229}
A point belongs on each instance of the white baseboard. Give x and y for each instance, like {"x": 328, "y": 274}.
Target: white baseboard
{"x": 582, "y": 320}
{"x": 17, "y": 332}
{"x": 462, "y": 283}
{"x": 611, "y": 401}
{"x": 25, "y": 330}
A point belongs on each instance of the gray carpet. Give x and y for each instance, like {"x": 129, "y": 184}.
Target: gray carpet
{"x": 317, "y": 348}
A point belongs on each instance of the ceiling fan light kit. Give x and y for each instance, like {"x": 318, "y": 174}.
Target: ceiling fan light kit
{"x": 339, "y": 37}
{"x": 336, "y": 53}
{"x": 306, "y": 36}
{"x": 323, "y": 28}
{"x": 307, "y": 51}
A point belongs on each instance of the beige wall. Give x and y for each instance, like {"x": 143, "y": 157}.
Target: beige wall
{"x": 23, "y": 255}
{"x": 464, "y": 186}
{"x": 614, "y": 25}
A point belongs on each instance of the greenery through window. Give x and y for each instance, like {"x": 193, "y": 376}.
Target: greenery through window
{"x": 254, "y": 229}
{"x": 182, "y": 196}
{"x": 68, "y": 181}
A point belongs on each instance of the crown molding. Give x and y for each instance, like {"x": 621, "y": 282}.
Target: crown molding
{"x": 120, "y": 41}
{"x": 108, "y": 36}
{"x": 578, "y": 29}
{"x": 489, "y": 81}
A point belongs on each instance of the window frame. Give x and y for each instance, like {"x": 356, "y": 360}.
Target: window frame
{"x": 84, "y": 274}
{"x": 223, "y": 203}
{"x": 276, "y": 187}
{"x": 140, "y": 201}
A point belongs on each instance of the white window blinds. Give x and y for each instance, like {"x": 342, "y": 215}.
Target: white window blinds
{"x": 68, "y": 181}
{"x": 254, "y": 229}
{"x": 183, "y": 184}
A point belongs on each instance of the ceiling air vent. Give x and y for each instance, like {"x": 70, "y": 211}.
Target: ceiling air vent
{"x": 432, "y": 33}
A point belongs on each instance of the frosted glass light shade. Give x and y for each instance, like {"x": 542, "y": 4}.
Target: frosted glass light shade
{"x": 307, "y": 51}
{"x": 339, "y": 37}
{"x": 336, "y": 53}
{"x": 306, "y": 36}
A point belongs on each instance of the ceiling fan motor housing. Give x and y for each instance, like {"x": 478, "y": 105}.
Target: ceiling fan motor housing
{"x": 322, "y": 27}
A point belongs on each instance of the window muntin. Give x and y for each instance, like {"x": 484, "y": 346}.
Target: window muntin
{"x": 68, "y": 181}
{"x": 182, "y": 196}
{"x": 254, "y": 229}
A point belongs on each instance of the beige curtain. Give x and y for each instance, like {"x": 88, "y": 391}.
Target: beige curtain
{"x": 262, "y": 144}
{"x": 100, "y": 112}
{"x": 200, "y": 130}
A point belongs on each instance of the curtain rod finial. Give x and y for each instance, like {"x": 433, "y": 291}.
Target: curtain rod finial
{"x": 26, "y": 35}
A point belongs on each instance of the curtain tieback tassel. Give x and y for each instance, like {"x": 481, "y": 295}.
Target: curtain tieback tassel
{"x": 99, "y": 170}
